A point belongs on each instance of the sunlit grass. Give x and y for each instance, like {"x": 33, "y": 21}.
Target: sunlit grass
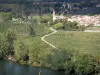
{"x": 81, "y": 42}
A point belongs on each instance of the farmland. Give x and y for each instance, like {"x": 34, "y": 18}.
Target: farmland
{"x": 82, "y": 42}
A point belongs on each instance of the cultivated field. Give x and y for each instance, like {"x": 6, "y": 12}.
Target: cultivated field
{"x": 81, "y": 42}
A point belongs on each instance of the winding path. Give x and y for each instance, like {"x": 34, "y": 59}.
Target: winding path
{"x": 43, "y": 38}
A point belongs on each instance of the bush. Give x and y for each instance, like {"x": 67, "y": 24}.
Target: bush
{"x": 35, "y": 50}
{"x": 45, "y": 18}
{"x": 21, "y": 51}
{"x": 69, "y": 67}
{"x": 10, "y": 37}
{"x": 58, "y": 26}
{"x": 32, "y": 31}
{"x": 84, "y": 65}
{"x": 5, "y": 16}
{"x": 3, "y": 47}
{"x": 82, "y": 28}
{"x": 71, "y": 26}
{"x": 6, "y": 44}
{"x": 59, "y": 58}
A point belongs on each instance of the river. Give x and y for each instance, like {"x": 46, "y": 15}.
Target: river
{"x": 12, "y": 68}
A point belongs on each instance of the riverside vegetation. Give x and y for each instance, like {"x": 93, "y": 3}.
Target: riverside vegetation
{"x": 22, "y": 41}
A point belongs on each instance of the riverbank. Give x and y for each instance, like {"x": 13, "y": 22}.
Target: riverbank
{"x": 9, "y": 57}
{"x": 12, "y": 59}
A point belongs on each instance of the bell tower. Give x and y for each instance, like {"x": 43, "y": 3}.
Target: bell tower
{"x": 54, "y": 15}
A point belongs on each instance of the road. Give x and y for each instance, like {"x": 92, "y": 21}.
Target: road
{"x": 43, "y": 38}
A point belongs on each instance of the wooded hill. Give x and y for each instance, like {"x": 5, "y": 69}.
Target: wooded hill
{"x": 30, "y": 1}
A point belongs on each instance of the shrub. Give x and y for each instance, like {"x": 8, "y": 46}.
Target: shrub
{"x": 71, "y": 26}
{"x": 21, "y": 51}
{"x": 3, "y": 47}
{"x": 58, "y": 26}
{"x": 5, "y": 16}
{"x": 31, "y": 31}
{"x": 84, "y": 65}
{"x": 10, "y": 37}
{"x": 45, "y": 18}
{"x": 59, "y": 58}
{"x": 69, "y": 67}
{"x": 82, "y": 28}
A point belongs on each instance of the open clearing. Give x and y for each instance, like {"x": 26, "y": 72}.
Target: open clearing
{"x": 82, "y": 42}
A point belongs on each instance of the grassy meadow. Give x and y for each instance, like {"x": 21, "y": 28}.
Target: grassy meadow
{"x": 81, "y": 42}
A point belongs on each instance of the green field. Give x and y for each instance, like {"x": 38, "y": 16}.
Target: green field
{"x": 82, "y": 42}
{"x": 18, "y": 27}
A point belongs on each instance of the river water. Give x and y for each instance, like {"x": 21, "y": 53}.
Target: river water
{"x": 12, "y": 68}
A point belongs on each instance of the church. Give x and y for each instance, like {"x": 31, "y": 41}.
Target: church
{"x": 60, "y": 17}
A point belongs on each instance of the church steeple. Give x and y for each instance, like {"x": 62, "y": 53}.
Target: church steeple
{"x": 54, "y": 15}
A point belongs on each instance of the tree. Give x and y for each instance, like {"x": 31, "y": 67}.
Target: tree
{"x": 3, "y": 47}
{"x": 31, "y": 31}
{"x": 69, "y": 67}
{"x": 59, "y": 58}
{"x": 84, "y": 65}
{"x": 10, "y": 37}
{"x": 34, "y": 51}
{"x": 5, "y": 16}
{"x": 21, "y": 51}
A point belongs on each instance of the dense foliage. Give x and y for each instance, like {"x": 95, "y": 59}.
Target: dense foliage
{"x": 21, "y": 51}
{"x": 5, "y": 16}
{"x": 29, "y": 7}
{"x": 3, "y": 46}
{"x": 67, "y": 25}
{"x": 46, "y": 0}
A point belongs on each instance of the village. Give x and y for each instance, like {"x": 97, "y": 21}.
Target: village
{"x": 86, "y": 20}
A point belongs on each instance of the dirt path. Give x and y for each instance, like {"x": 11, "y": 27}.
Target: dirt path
{"x": 43, "y": 38}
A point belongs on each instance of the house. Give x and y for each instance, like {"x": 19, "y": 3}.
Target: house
{"x": 86, "y": 20}
{"x": 98, "y": 5}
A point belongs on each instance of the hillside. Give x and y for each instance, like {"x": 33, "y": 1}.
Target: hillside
{"x": 29, "y": 1}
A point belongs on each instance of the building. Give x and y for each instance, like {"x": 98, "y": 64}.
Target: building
{"x": 59, "y": 17}
{"x": 98, "y": 5}
{"x": 86, "y": 20}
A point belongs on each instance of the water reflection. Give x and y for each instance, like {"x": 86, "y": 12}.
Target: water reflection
{"x": 11, "y": 68}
